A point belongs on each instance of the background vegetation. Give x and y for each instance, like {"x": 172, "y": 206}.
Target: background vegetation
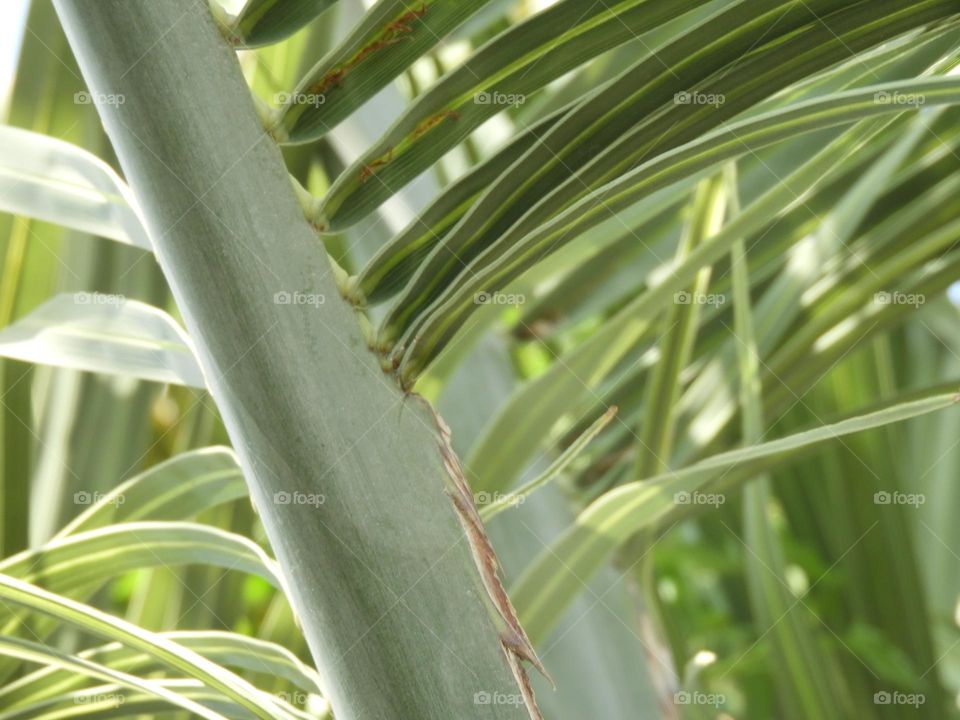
{"x": 683, "y": 268}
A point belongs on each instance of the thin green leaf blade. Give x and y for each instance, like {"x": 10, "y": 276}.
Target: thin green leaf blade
{"x": 391, "y": 35}
{"x": 176, "y": 489}
{"x": 37, "y": 653}
{"x": 515, "y": 252}
{"x": 557, "y": 575}
{"x": 168, "y": 652}
{"x": 264, "y": 22}
{"x": 52, "y": 180}
{"x": 104, "y": 333}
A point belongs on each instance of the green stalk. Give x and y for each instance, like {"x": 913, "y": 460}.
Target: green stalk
{"x": 658, "y": 429}
{"x": 354, "y": 481}
{"x": 808, "y": 688}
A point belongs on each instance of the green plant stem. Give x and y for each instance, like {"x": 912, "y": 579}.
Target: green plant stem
{"x": 347, "y": 472}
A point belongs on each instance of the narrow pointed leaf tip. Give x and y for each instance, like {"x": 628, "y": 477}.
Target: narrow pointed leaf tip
{"x": 556, "y": 467}
{"x": 264, "y": 22}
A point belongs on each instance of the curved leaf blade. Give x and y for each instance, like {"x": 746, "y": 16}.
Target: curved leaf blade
{"x": 170, "y": 653}
{"x": 176, "y": 489}
{"x": 224, "y": 648}
{"x": 52, "y": 180}
{"x": 516, "y": 252}
{"x": 95, "y": 556}
{"x": 106, "y": 334}
{"x": 399, "y": 259}
{"x": 520, "y": 429}
{"x": 744, "y": 52}
{"x": 391, "y": 36}
{"x": 264, "y": 22}
{"x": 557, "y": 575}
{"x": 34, "y": 652}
